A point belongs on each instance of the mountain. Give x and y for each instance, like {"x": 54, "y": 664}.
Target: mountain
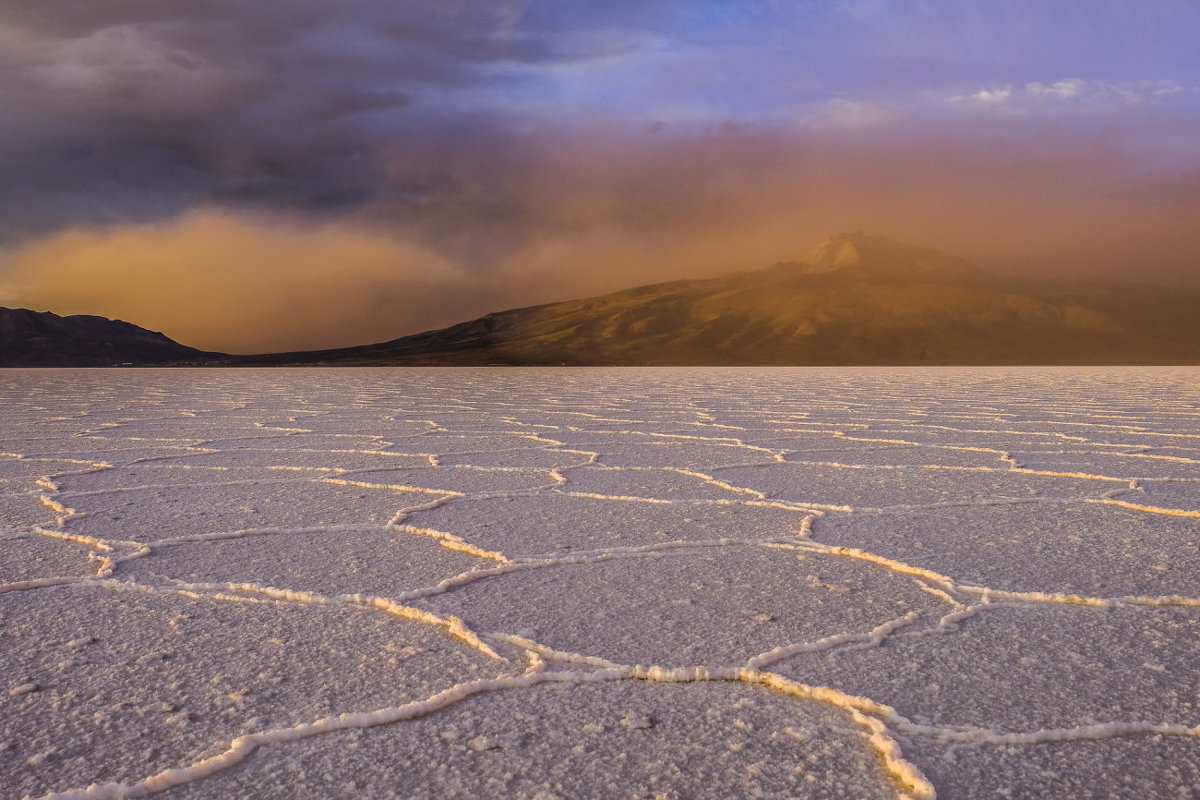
{"x": 41, "y": 339}
{"x": 854, "y": 299}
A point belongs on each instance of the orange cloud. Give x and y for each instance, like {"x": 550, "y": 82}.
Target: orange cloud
{"x": 578, "y": 213}
{"x": 241, "y": 283}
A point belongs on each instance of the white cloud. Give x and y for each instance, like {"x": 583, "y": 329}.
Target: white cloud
{"x": 1066, "y": 89}
{"x": 993, "y": 97}
{"x": 1067, "y": 94}
{"x": 1167, "y": 88}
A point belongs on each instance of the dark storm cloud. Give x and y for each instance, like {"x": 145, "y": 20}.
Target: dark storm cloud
{"x": 137, "y": 109}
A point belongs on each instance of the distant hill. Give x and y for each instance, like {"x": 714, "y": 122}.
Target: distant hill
{"x": 854, "y": 299}
{"x": 41, "y": 339}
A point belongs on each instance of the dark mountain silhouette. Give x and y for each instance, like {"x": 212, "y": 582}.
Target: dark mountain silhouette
{"x": 854, "y": 299}
{"x": 41, "y": 339}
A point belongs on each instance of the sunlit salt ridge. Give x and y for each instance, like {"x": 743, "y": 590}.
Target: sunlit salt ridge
{"x": 607, "y": 583}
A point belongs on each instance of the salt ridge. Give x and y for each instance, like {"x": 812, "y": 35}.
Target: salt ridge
{"x": 879, "y": 723}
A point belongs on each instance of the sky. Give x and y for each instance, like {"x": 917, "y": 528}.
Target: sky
{"x": 266, "y": 176}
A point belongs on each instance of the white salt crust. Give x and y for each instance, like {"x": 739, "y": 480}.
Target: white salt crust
{"x": 213, "y": 575}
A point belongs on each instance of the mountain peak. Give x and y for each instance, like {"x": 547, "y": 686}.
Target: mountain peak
{"x": 835, "y": 253}
{"x": 880, "y": 255}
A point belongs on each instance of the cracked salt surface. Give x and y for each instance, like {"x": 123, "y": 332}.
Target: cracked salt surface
{"x": 29, "y": 556}
{"x": 1067, "y": 547}
{"x": 684, "y": 740}
{"x": 608, "y": 583}
{"x": 553, "y": 523}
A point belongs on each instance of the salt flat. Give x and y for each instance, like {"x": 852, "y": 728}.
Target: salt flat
{"x": 652, "y": 583}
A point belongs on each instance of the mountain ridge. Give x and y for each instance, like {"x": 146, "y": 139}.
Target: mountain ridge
{"x": 854, "y": 299}
{"x": 879, "y": 254}
{"x": 45, "y": 339}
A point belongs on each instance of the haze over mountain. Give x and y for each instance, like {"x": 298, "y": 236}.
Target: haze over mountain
{"x": 854, "y": 299}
